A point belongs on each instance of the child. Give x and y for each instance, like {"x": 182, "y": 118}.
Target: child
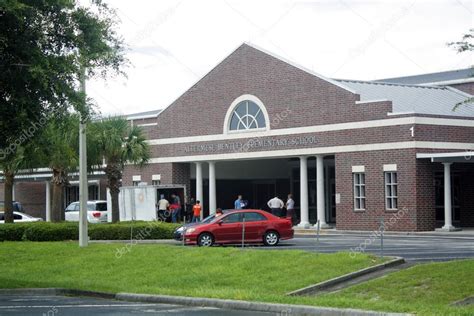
{"x": 196, "y": 212}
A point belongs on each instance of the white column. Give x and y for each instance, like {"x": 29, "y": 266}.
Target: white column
{"x": 448, "y": 221}
{"x": 199, "y": 196}
{"x": 48, "y": 201}
{"x": 13, "y": 192}
{"x": 304, "y": 193}
{"x": 212, "y": 188}
{"x": 320, "y": 197}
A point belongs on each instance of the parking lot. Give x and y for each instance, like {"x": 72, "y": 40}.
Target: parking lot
{"x": 411, "y": 247}
{"x": 64, "y": 305}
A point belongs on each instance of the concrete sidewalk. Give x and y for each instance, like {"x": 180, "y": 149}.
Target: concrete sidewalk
{"x": 466, "y": 232}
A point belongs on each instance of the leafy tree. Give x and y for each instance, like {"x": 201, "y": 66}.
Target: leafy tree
{"x": 44, "y": 46}
{"x": 116, "y": 143}
{"x": 464, "y": 45}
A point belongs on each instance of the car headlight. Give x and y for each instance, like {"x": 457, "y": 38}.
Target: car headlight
{"x": 190, "y": 230}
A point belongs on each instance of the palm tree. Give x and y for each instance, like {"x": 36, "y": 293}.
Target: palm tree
{"x": 114, "y": 143}
{"x": 10, "y": 165}
{"x": 59, "y": 151}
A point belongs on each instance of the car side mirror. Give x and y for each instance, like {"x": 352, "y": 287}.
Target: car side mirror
{"x": 219, "y": 222}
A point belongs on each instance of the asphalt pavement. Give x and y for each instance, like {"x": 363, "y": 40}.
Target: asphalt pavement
{"x": 71, "y": 306}
{"x": 411, "y": 247}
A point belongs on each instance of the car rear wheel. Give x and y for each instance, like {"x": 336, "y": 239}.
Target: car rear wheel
{"x": 271, "y": 238}
{"x": 205, "y": 240}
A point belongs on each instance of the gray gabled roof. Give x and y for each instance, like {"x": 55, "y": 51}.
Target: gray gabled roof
{"x": 432, "y": 78}
{"x": 414, "y": 98}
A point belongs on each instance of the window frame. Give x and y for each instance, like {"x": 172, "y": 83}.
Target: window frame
{"x": 241, "y": 116}
{"x": 390, "y": 199}
{"x": 223, "y": 220}
{"x": 361, "y": 198}
{"x": 233, "y": 107}
{"x": 263, "y": 218}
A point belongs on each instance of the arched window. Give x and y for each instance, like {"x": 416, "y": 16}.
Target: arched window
{"x": 247, "y": 113}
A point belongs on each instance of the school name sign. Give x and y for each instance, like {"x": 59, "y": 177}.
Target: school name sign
{"x": 251, "y": 144}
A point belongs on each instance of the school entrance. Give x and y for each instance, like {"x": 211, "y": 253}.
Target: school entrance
{"x": 260, "y": 180}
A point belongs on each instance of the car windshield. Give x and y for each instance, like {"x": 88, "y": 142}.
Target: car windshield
{"x": 208, "y": 219}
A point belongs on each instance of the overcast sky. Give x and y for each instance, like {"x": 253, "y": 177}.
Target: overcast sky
{"x": 172, "y": 44}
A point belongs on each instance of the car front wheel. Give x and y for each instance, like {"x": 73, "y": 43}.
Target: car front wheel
{"x": 205, "y": 240}
{"x": 271, "y": 238}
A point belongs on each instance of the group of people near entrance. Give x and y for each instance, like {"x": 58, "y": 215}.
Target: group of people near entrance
{"x": 165, "y": 208}
{"x": 276, "y": 205}
{"x": 173, "y": 209}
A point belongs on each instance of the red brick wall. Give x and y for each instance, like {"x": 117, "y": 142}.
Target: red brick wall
{"x": 347, "y": 218}
{"x": 32, "y": 195}
{"x": 313, "y": 101}
{"x": 425, "y": 195}
{"x": 465, "y": 87}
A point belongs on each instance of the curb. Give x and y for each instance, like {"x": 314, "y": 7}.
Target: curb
{"x": 135, "y": 241}
{"x": 325, "y": 284}
{"x": 282, "y": 309}
{"x": 328, "y": 232}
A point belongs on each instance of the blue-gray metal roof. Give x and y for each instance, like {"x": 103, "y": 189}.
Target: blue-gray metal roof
{"x": 413, "y": 98}
{"x": 443, "y": 76}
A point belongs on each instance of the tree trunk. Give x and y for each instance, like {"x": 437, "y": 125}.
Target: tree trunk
{"x": 8, "y": 192}
{"x": 58, "y": 181}
{"x": 114, "y": 174}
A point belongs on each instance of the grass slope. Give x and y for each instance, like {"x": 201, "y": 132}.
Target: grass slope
{"x": 208, "y": 272}
{"x": 426, "y": 289}
{"x": 258, "y": 275}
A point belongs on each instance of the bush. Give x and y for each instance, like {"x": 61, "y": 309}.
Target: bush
{"x": 42, "y": 231}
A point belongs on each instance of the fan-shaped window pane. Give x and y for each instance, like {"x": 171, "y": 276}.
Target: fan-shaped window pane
{"x": 247, "y": 115}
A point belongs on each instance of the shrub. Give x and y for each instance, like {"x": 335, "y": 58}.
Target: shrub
{"x": 51, "y": 232}
{"x": 12, "y": 232}
{"x": 42, "y": 231}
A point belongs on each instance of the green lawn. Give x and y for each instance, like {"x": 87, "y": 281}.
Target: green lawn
{"x": 259, "y": 275}
{"x": 426, "y": 289}
{"x": 209, "y": 272}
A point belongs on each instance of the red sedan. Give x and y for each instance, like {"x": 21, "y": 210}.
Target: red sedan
{"x": 257, "y": 226}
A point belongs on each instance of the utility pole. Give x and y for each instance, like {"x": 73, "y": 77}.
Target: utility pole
{"x": 83, "y": 189}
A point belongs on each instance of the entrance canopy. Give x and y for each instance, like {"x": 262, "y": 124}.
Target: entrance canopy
{"x": 447, "y": 159}
{"x": 465, "y": 156}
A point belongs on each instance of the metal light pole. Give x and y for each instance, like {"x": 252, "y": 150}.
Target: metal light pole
{"x": 83, "y": 189}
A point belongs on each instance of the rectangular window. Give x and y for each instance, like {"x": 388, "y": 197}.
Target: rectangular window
{"x": 155, "y": 182}
{"x": 135, "y": 183}
{"x": 391, "y": 190}
{"x": 359, "y": 191}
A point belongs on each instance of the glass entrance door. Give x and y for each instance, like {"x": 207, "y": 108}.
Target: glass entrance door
{"x": 262, "y": 192}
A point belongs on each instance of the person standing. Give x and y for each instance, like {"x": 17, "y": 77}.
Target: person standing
{"x": 290, "y": 208}
{"x": 176, "y": 202}
{"x": 197, "y": 212}
{"x": 239, "y": 203}
{"x": 163, "y": 206}
{"x": 276, "y": 205}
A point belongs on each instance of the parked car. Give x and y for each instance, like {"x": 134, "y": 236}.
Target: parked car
{"x": 259, "y": 227}
{"x": 178, "y": 232}
{"x": 96, "y": 212}
{"x": 19, "y": 217}
{"x": 17, "y": 207}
